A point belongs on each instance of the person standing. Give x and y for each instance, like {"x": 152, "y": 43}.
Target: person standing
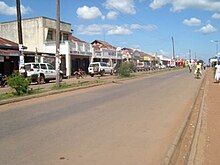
{"x": 217, "y": 72}
{"x": 190, "y": 67}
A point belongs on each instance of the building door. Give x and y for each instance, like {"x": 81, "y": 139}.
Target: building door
{"x": 11, "y": 64}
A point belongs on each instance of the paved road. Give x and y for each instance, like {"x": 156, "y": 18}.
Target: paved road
{"x": 129, "y": 123}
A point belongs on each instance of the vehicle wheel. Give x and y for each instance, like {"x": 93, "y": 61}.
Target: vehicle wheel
{"x": 41, "y": 80}
{"x": 102, "y": 72}
{"x": 111, "y": 73}
{"x": 47, "y": 81}
{"x": 92, "y": 75}
{"x": 61, "y": 78}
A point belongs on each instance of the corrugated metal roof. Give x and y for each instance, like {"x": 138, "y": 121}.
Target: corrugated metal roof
{"x": 5, "y": 42}
{"x": 73, "y": 38}
{"x": 8, "y": 48}
{"x": 104, "y": 44}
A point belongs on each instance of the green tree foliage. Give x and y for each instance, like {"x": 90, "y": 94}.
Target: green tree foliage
{"x": 18, "y": 83}
{"x": 126, "y": 69}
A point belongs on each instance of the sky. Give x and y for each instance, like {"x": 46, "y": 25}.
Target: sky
{"x": 147, "y": 25}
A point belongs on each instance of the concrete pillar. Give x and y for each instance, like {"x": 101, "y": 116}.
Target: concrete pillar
{"x": 93, "y": 53}
{"x": 41, "y": 59}
{"x": 84, "y": 47}
{"x": 68, "y": 59}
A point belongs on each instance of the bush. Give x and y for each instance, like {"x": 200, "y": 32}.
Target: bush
{"x": 125, "y": 69}
{"x": 18, "y": 83}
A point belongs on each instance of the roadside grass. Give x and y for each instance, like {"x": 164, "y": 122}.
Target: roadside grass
{"x": 12, "y": 94}
{"x": 76, "y": 85}
{"x": 80, "y": 83}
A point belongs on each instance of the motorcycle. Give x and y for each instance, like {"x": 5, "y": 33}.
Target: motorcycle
{"x": 3, "y": 80}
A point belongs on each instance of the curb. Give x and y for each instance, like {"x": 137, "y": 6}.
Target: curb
{"x": 193, "y": 149}
{"x": 177, "y": 139}
{"x": 8, "y": 101}
{"x": 23, "y": 98}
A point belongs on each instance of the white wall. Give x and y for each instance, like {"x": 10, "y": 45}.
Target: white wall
{"x": 34, "y": 31}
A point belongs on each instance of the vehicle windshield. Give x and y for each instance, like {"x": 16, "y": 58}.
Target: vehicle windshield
{"x": 27, "y": 67}
{"x": 36, "y": 66}
{"x": 103, "y": 64}
{"x": 94, "y": 65}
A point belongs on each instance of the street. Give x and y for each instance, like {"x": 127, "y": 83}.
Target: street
{"x": 127, "y": 123}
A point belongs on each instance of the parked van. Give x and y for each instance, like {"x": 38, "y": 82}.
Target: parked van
{"x": 99, "y": 68}
{"x": 142, "y": 66}
{"x": 40, "y": 72}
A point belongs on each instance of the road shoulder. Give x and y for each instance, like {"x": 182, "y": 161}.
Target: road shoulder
{"x": 209, "y": 144}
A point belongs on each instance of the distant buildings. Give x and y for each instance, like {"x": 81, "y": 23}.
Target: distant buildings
{"x": 39, "y": 37}
{"x": 103, "y": 51}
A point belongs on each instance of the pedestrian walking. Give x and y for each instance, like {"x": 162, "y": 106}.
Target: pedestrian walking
{"x": 217, "y": 72}
{"x": 198, "y": 70}
{"x": 190, "y": 67}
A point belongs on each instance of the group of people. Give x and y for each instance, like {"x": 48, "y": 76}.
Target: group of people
{"x": 79, "y": 73}
{"x": 199, "y": 67}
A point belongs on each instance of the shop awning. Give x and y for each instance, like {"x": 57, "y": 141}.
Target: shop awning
{"x": 9, "y": 52}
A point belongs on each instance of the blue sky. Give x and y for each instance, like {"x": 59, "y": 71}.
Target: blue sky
{"x": 144, "y": 24}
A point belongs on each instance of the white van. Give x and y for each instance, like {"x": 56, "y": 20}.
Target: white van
{"x": 99, "y": 68}
{"x": 40, "y": 72}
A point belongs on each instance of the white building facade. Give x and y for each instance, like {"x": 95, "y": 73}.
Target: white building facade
{"x": 77, "y": 54}
{"x": 39, "y": 35}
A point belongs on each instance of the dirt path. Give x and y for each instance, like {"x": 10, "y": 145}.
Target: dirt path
{"x": 208, "y": 150}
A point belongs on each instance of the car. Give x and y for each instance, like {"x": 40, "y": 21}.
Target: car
{"x": 142, "y": 66}
{"x": 40, "y": 72}
{"x": 101, "y": 68}
{"x": 163, "y": 66}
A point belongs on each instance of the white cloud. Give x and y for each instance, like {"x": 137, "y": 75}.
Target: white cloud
{"x": 86, "y": 12}
{"x": 144, "y": 27}
{"x": 207, "y": 29}
{"x": 7, "y": 10}
{"x": 178, "y": 5}
{"x": 123, "y": 6}
{"x": 192, "y": 22}
{"x": 119, "y": 30}
{"x": 112, "y": 15}
{"x": 98, "y": 29}
{"x": 93, "y": 29}
{"x": 216, "y": 16}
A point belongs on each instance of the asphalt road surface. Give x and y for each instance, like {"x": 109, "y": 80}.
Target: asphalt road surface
{"x": 127, "y": 123}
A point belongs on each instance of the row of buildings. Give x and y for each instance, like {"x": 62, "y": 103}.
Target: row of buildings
{"x": 39, "y": 38}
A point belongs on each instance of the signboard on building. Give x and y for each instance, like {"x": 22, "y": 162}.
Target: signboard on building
{"x": 21, "y": 47}
{"x": 21, "y": 61}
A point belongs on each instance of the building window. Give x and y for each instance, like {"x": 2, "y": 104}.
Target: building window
{"x": 87, "y": 47}
{"x": 65, "y": 37}
{"x": 50, "y": 35}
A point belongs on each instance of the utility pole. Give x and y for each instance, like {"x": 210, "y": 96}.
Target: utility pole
{"x": 20, "y": 39}
{"x": 173, "y": 48}
{"x": 57, "y": 43}
{"x": 190, "y": 55}
{"x": 195, "y": 56}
